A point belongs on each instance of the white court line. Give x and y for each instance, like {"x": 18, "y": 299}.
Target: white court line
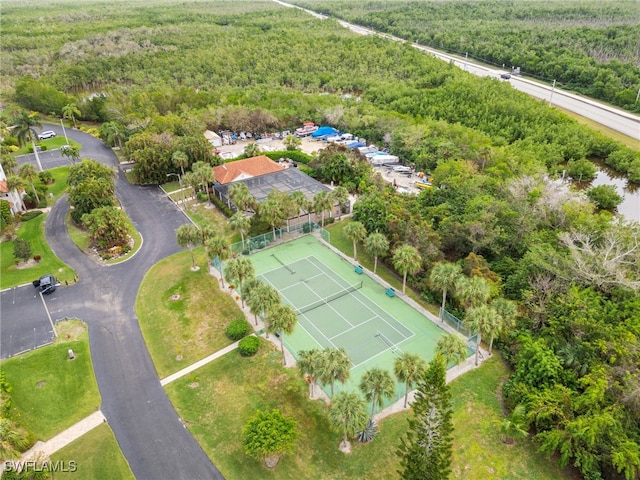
{"x": 354, "y": 326}
{"x": 288, "y": 264}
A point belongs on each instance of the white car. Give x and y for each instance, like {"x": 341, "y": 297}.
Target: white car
{"x": 402, "y": 169}
{"x": 46, "y": 134}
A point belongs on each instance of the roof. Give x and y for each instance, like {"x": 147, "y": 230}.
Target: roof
{"x": 246, "y": 168}
{"x": 285, "y": 181}
{"x": 3, "y": 187}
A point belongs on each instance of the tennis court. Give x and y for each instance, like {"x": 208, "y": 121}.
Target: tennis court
{"x": 339, "y": 308}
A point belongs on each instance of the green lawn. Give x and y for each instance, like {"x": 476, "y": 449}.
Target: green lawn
{"x": 12, "y": 275}
{"x": 345, "y": 245}
{"x": 219, "y": 399}
{"x": 181, "y": 331}
{"x": 204, "y": 214}
{"x": 96, "y": 455}
{"x": 59, "y": 186}
{"x": 51, "y": 392}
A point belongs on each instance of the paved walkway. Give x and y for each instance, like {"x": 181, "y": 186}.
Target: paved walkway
{"x": 42, "y": 450}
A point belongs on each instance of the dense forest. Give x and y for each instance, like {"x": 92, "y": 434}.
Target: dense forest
{"x": 588, "y": 47}
{"x": 154, "y": 78}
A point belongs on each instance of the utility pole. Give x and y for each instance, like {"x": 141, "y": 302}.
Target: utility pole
{"x": 466, "y": 55}
{"x": 553, "y": 87}
{"x": 64, "y": 131}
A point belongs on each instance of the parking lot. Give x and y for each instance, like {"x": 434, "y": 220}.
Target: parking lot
{"x": 25, "y": 324}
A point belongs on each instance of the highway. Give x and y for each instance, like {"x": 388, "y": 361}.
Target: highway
{"x": 611, "y": 117}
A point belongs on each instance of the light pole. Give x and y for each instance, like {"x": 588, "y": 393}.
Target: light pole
{"x": 64, "y": 131}
{"x": 553, "y": 87}
{"x": 179, "y": 182}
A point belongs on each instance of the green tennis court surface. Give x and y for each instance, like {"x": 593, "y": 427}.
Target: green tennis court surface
{"x": 337, "y": 308}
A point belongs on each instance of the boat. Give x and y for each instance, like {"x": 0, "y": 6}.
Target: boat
{"x": 307, "y": 129}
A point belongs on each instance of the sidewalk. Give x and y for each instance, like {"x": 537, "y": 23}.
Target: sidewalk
{"x": 42, "y": 450}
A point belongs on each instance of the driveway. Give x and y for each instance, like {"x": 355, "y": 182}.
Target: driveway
{"x": 149, "y": 432}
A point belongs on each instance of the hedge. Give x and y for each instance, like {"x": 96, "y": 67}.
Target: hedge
{"x": 249, "y": 346}
{"x": 295, "y": 155}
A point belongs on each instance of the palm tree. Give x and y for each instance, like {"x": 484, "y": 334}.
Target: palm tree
{"x": 70, "y": 111}
{"x": 282, "y": 319}
{"x": 409, "y": 368}
{"x": 299, "y": 199}
{"x": 17, "y": 183}
{"x": 238, "y": 270}
{"x": 180, "y": 159}
{"x": 241, "y": 223}
{"x": 473, "y": 291}
{"x": 190, "y": 179}
{"x": 252, "y": 149}
{"x": 13, "y": 440}
{"x": 112, "y": 132}
{"x": 336, "y": 366}
{"x": 340, "y": 195}
{"x": 443, "y": 277}
{"x": 240, "y": 196}
{"x": 71, "y": 151}
{"x": 452, "y": 348}
{"x": 347, "y": 414}
{"x": 321, "y": 203}
{"x": 249, "y": 286}
{"x": 28, "y": 172}
{"x": 506, "y": 312}
{"x": 188, "y": 236}
{"x": 310, "y": 363}
{"x": 261, "y": 298}
{"x": 406, "y": 260}
{"x": 376, "y": 385}
{"x": 217, "y": 246}
{"x": 204, "y": 172}
{"x": 271, "y": 211}
{"x": 289, "y": 208}
{"x": 355, "y": 232}
{"x": 9, "y": 164}
{"x": 515, "y": 425}
{"x": 480, "y": 319}
{"x": 23, "y": 128}
{"x": 376, "y": 244}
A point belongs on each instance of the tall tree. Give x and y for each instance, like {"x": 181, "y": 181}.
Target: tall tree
{"x": 347, "y": 414}
{"x": 71, "y": 151}
{"x": 204, "y": 172}
{"x": 180, "y": 160}
{"x": 70, "y": 111}
{"x": 310, "y": 364}
{"x": 217, "y": 246}
{"x": 506, "y": 312}
{"x": 10, "y": 164}
{"x": 111, "y": 132}
{"x": 336, "y": 366}
{"x": 299, "y": 199}
{"x": 240, "y": 196}
{"x": 340, "y": 195}
{"x": 282, "y": 319}
{"x": 271, "y": 211}
{"x": 268, "y": 436}
{"x": 262, "y": 298}
{"x": 443, "y": 277}
{"x": 472, "y": 292}
{"x": 28, "y": 173}
{"x": 407, "y": 261}
{"x": 240, "y": 223}
{"x": 17, "y": 183}
{"x": 482, "y": 320}
{"x": 252, "y": 149}
{"x": 377, "y": 384}
{"x": 408, "y": 368}
{"x": 355, "y": 232}
{"x": 376, "y": 244}
{"x": 425, "y": 450}
{"x": 23, "y": 128}
{"x": 238, "y": 270}
{"x": 452, "y": 348}
{"x": 321, "y": 203}
{"x": 188, "y": 236}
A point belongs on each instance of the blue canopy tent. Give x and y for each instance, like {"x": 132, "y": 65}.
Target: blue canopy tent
{"x": 325, "y": 131}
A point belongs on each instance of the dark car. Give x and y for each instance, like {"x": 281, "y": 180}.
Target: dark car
{"x": 46, "y": 283}
{"x": 505, "y": 76}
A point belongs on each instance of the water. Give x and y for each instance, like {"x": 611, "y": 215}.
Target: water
{"x": 630, "y": 206}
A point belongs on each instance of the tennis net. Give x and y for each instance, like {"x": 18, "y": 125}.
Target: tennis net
{"x": 330, "y": 298}
{"x": 283, "y": 264}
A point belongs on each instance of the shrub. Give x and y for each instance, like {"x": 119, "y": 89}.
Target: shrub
{"x": 21, "y": 249}
{"x": 295, "y": 155}
{"x": 369, "y": 432}
{"x": 237, "y": 329}
{"x": 46, "y": 177}
{"x": 224, "y": 208}
{"x": 201, "y": 196}
{"x": 30, "y": 215}
{"x": 249, "y": 346}
{"x": 37, "y": 258}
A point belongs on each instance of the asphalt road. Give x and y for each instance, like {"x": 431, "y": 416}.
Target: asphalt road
{"x": 611, "y": 117}
{"x": 151, "y": 436}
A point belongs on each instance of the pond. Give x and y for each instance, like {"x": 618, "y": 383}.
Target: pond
{"x": 630, "y": 206}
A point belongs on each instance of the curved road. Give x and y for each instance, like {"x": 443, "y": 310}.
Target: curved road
{"x": 150, "y": 434}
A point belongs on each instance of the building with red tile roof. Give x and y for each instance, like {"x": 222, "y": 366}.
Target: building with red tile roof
{"x": 246, "y": 168}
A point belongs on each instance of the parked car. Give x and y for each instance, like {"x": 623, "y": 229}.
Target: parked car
{"x": 46, "y": 134}
{"x": 46, "y": 283}
{"x": 505, "y": 76}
